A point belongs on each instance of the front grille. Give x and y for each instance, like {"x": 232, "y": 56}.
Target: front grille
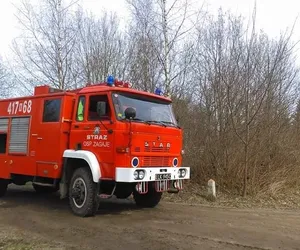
{"x": 156, "y": 149}
{"x": 156, "y": 161}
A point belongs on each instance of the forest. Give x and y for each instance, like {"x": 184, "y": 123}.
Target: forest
{"x": 234, "y": 88}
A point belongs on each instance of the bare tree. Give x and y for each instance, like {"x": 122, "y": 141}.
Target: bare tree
{"x": 144, "y": 67}
{"x": 244, "y": 87}
{"x": 165, "y": 23}
{"x": 101, "y": 49}
{"x": 6, "y": 81}
{"x": 45, "y": 48}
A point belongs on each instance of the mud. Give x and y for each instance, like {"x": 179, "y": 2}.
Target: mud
{"x": 45, "y": 222}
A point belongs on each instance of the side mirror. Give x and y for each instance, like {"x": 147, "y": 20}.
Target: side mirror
{"x": 130, "y": 113}
{"x": 101, "y": 108}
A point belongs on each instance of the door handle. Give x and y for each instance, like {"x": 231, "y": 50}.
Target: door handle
{"x": 86, "y": 127}
{"x": 39, "y": 138}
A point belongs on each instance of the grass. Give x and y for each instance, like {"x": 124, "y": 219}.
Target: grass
{"x": 287, "y": 199}
{"x": 11, "y": 239}
{"x": 15, "y": 244}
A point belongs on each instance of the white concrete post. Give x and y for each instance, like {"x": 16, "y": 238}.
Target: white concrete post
{"x": 211, "y": 190}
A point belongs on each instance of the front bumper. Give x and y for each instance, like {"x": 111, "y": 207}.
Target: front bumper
{"x": 152, "y": 174}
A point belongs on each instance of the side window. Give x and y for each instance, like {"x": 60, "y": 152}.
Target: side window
{"x": 3, "y": 142}
{"x": 92, "y": 113}
{"x": 80, "y": 109}
{"x": 52, "y": 110}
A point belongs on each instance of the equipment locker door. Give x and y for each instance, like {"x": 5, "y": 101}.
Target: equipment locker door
{"x": 52, "y": 134}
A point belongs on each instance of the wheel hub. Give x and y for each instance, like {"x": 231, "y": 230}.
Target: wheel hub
{"x": 79, "y": 192}
{"x": 75, "y": 193}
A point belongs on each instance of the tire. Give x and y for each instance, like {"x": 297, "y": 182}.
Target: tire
{"x": 3, "y": 187}
{"x": 44, "y": 189}
{"x": 148, "y": 200}
{"x": 83, "y": 198}
{"x": 123, "y": 190}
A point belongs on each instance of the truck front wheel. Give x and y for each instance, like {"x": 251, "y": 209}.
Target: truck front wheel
{"x": 3, "y": 187}
{"x": 83, "y": 196}
{"x": 150, "y": 199}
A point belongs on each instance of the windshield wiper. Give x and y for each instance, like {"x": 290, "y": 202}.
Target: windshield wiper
{"x": 172, "y": 123}
{"x": 159, "y": 122}
{"x": 138, "y": 120}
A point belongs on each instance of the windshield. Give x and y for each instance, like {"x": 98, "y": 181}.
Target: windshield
{"x": 147, "y": 109}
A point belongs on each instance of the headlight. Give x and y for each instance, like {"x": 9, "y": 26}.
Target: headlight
{"x": 182, "y": 172}
{"x": 136, "y": 174}
{"x": 139, "y": 174}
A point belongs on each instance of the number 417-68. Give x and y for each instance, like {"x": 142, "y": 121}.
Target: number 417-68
{"x": 19, "y": 107}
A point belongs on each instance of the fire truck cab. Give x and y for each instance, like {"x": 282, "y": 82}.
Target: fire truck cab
{"x": 95, "y": 142}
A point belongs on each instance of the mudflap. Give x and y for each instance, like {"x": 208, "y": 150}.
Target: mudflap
{"x": 170, "y": 186}
{"x": 176, "y": 186}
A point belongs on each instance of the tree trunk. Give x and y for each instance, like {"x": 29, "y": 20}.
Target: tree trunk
{"x": 166, "y": 49}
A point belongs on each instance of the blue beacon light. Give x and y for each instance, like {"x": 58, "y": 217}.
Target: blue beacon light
{"x": 158, "y": 91}
{"x": 110, "y": 80}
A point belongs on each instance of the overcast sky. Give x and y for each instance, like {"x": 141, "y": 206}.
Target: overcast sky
{"x": 273, "y": 16}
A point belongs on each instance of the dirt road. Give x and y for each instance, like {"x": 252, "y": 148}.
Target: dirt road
{"x": 44, "y": 222}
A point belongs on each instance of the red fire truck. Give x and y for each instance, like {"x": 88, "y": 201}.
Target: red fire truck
{"x": 99, "y": 141}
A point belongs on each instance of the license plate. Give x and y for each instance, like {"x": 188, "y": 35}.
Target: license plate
{"x": 162, "y": 176}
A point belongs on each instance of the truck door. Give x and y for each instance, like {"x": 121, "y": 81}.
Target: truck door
{"x": 91, "y": 131}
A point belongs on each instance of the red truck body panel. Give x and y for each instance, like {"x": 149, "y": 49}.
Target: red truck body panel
{"x": 33, "y": 147}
